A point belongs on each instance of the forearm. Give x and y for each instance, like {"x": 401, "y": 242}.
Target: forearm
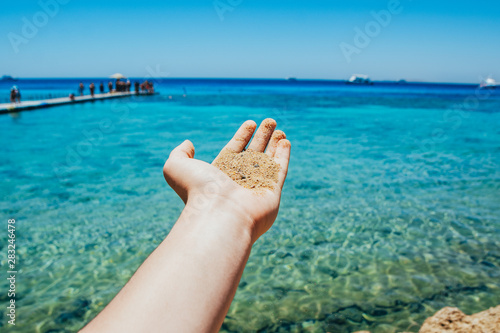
{"x": 187, "y": 284}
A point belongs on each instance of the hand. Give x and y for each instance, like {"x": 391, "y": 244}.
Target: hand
{"x": 203, "y": 187}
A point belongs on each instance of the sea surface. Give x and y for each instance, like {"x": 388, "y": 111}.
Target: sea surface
{"x": 391, "y": 208}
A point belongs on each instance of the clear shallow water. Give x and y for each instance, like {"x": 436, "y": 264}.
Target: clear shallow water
{"x": 390, "y": 210}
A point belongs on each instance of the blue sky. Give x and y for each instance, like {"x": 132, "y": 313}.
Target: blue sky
{"x": 440, "y": 41}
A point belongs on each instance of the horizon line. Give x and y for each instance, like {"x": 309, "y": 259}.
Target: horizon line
{"x": 238, "y": 78}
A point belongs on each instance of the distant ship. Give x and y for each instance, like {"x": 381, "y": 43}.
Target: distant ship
{"x": 8, "y": 78}
{"x": 359, "y": 79}
{"x": 489, "y": 83}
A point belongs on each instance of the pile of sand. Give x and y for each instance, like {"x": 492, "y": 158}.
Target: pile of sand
{"x": 452, "y": 320}
{"x": 250, "y": 169}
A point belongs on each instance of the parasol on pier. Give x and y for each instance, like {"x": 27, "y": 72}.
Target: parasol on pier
{"x": 117, "y": 76}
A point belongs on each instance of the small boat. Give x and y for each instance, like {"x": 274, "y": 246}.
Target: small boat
{"x": 489, "y": 83}
{"x": 8, "y": 78}
{"x": 359, "y": 79}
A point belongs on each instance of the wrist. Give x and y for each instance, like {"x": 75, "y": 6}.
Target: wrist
{"x": 218, "y": 217}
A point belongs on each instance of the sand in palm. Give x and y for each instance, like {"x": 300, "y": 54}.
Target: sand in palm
{"x": 250, "y": 169}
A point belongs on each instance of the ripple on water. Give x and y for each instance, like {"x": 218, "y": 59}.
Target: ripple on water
{"x": 376, "y": 231}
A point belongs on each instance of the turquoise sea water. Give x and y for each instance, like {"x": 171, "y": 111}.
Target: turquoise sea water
{"x": 390, "y": 210}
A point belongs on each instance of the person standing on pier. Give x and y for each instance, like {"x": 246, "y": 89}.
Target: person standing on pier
{"x": 18, "y": 95}
{"x": 13, "y": 94}
{"x": 136, "y": 85}
{"x": 81, "y": 88}
{"x": 110, "y": 87}
{"x": 101, "y": 88}
{"x": 92, "y": 88}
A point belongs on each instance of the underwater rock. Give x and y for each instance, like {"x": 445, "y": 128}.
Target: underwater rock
{"x": 416, "y": 307}
{"x": 328, "y": 271}
{"x": 81, "y": 307}
{"x": 450, "y": 319}
{"x": 64, "y": 318}
{"x": 312, "y": 185}
{"x": 353, "y": 314}
{"x": 336, "y": 318}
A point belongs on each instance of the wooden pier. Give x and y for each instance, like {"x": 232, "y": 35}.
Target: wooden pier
{"x": 32, "y": 105}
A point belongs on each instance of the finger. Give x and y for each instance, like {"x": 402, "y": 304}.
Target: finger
{"x": 174, "y": 164}
{"x": 242, "y": 136}
{"x": 273, "y": 144}
{"x": 185, "y": 149}
{"x": 282, "y": 157}
{"x": 261, "y": 138}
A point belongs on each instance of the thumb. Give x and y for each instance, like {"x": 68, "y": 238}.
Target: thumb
{"x": 185, "y": 149}
{"x": 174, "y": 168}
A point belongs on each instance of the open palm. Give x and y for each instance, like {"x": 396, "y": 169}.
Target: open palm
{"x": 202, "y": 186}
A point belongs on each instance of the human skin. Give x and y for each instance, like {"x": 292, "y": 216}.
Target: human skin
{"x": 188, "y": 282}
